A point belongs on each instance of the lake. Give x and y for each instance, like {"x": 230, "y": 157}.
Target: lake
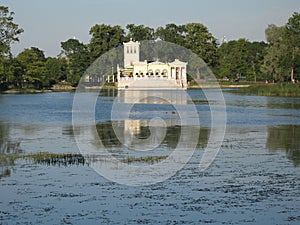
{"x": 254, "y": 179}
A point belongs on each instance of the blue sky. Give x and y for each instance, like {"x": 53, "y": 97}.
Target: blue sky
{"x": 48, "y": 22}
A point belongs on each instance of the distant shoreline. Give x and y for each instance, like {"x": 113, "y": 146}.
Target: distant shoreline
{"x": 280, "y": 89}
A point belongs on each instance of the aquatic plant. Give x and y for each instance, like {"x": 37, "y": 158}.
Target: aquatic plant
{"x": 60, "y": 159}
{"x": 65, "y": 159}
{"x": 148, "y": 159}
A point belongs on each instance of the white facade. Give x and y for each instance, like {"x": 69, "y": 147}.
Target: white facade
{"x": 149, "y": 75}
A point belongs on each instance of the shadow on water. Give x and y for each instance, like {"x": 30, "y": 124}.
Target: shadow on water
{"x": 8, "y": 147}
{"x": 291, "y": 105}
{"x": 285, "y": 138}
{"x": 108, "y": 92}
{"x": 283, "y": 103}
{"x": 10, "y": 151}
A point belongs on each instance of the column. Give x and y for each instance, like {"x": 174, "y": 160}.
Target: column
{"x": 173, "y": 73}
{"x": 183, "y": 73}
{"x": 119, "y": 73}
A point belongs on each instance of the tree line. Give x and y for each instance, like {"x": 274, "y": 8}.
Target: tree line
{"x": 277, "y": 59}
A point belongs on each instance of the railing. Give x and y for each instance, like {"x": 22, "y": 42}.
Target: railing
{"x": 146, "y": 78}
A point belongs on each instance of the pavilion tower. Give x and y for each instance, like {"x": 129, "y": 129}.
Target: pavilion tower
{"x": 131, "y": 53}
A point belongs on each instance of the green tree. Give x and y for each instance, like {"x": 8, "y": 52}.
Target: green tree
{"x": 36, "y": 74}
{"x": 33, "y": 64}
{"x": 274, "y": 62}
{"x": 256, "y": 51}
{"x": 15, "y": 73}
{"x": 241, "y": 58}
{"x": 3, "y": 72}
{"x": 293, "y": 35}
{"x": 9, "y": 32}
{"x": 194, "y": 36}
{"x": 29, "y": 56}
{"x": 282, "y": 61}
{"x": 172, "y": 33}
{"x": 56, "y": 70}
{"x": 233, "y": 60}
{"x": 77, "y": 57}
{"x": 140, "y": 32}
{"x": 104, "y": 37}
{"x": 201, "y": 41}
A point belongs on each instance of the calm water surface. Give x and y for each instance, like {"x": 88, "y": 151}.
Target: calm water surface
{"x": 254, "y": 179}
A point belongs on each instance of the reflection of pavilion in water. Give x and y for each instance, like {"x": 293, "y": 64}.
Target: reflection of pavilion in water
{"x": 149, "y": 128}
{"x": 134, "y": 132}
{"x": 154, "y": 118}
{"x": 140, "y": 132}
{"x": 153, "y": 97}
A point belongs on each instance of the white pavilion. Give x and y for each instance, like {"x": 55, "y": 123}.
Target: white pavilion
{"x": 138, "y": 74}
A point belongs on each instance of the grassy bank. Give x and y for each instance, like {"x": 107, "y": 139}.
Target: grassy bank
{"x": 217, "y": 84}
{"x": 63, "y": 87}
{"x": 24, "y": 91}
{"x": 279, "y": 89}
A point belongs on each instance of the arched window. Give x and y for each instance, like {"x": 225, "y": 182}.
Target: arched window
{"x": 157, "y": 72}
{"x": 134, "y": 49}
{"x": 164, "y": 73}
{"x": 150, "y": 72}
{"x": 127, "y": 49}
{"x": 131, "y": 49}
